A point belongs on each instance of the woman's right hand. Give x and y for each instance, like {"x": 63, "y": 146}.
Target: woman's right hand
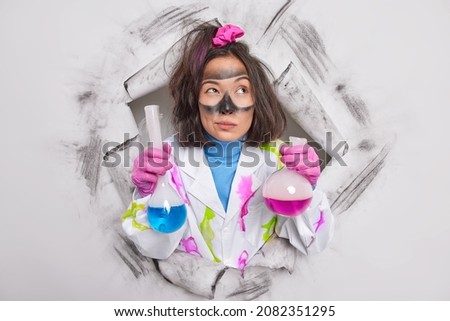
{"x": 147, "y": 166}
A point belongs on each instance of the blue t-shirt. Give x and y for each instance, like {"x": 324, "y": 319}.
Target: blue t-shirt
{"x": 222, "y": 158}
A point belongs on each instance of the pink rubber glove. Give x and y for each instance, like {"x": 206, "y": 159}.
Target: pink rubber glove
{"x": 147, "y": 166}
{"x": 303, "y": 159}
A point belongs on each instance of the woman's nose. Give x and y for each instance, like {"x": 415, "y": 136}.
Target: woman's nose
{"x": 226, "y": 106}
{"x": 227, "y": 110}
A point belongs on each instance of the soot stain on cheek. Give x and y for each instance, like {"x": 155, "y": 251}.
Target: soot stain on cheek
{"x": 225, "y": 106}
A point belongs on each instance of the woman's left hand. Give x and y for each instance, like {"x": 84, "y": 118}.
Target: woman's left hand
{"x": 303, "y": 159}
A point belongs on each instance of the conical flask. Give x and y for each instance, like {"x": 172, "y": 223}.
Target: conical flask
{"x": 286, "y": 192}
{"x": 166, "y": 210}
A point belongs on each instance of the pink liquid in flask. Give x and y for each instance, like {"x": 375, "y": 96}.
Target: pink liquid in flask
{"x": 286, "y": 192}
{"x": 288, "y": 208}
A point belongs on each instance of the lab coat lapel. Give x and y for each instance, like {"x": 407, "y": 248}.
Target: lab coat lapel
{"x": 245, "y": 182}
{"x": 193, "y": 163}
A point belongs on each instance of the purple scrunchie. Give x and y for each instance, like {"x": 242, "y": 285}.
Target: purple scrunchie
{"x": 227, "y": 34}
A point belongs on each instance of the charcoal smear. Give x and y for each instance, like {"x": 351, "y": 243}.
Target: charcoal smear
{"x": 304, "y": 107}
{"x": 120, "y": 147}
{"x": 167, "y": 21}
{"x": 90, "y": 159}
{"x": 366, "y": 145}
{"x": 273, "y": 28}
{"x": 307, "y": 46}
{"x": 86, "y": 97}
{"x": 252, "y": 287}
{"x": 355, "y": 188}
{"x": 127, "y": 262}
{"x": 133, "y": 259}
{"x": 122, "y": 181}
{"x": 357, "y": 107}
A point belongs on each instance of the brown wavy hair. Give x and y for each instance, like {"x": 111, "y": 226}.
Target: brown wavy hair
{"x": 269, "y": 121}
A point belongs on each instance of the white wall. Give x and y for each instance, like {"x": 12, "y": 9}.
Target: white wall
{"x": 57, "y": 235}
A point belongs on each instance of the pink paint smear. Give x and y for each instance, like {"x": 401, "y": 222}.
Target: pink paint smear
{"x": 245, "y": 193}
{"x": 176, "y": 180}
{"x": 320, "y": 222}
{"x": 242, "y": 261}
{"x": 190, "y": 246}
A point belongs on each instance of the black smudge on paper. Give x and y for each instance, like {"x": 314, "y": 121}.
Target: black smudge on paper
{"x": 89, "y": 158}
{"x": 132, "y": 268}
{"x": 273, "y": 28}
{"x": 304, "y": 106}
{"x": 355, "y": 105}
{"x": 366, "y": 145}
{"x": 357, "y": 108}
{"x": 86, "y": 97}
{"x": 308, "y": 47}
{"x": 168, "y": 20}
{"x": 119, "y": 147}
{"x": 252, "y": 287}
{"x": 354, "y": 189}
{"x": 122, "y": 181}
{"x": 119, "y": 176}
{"x": 130, "y": 255}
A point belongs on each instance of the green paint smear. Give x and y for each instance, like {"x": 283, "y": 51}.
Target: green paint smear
{"x": 131, "y": 212}
{"x": 270, "y": 228}
{"x": 274, "y": 147}
{"x": 207, "y": 231}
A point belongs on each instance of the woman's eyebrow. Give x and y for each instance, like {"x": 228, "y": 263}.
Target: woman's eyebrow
{"x": 210, "y": 81}
{"x": 215, "y": 82}
{"x": 224, "y": 74}
{"x": 245, "y": 77}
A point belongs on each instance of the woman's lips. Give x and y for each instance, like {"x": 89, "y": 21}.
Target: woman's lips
{"x": 225, "y": 125}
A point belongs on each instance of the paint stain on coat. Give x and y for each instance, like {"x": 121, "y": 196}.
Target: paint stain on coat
{"x": 176, "y": 180}
{"x": 242, "y": 261}
{"x": 190, "y": 246}
{"x": 270, "y": 228}
{"x": 131, "y": 213}
{"x": 208, "y": 232}
{"x": 245, "y": 192}
{"x": 320, "y": 222}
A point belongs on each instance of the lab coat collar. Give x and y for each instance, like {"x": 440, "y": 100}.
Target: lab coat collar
{"x": 193, "y": 163}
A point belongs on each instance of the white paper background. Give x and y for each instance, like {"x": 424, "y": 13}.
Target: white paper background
{"x": 392, "y": 244}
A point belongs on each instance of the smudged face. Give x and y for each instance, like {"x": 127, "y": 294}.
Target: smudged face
{"x": 226, "y": 99}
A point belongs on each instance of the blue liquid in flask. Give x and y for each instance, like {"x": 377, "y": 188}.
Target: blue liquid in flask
{"x": 166, "y": 219}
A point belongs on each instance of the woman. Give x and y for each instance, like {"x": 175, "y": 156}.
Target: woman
{"x": 228, "y": 119}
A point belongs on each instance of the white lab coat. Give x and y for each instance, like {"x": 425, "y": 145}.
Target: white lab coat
{"x": 230, "y": 237}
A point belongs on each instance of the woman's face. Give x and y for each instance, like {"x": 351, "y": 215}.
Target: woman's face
{"x": 226, "y": 99}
